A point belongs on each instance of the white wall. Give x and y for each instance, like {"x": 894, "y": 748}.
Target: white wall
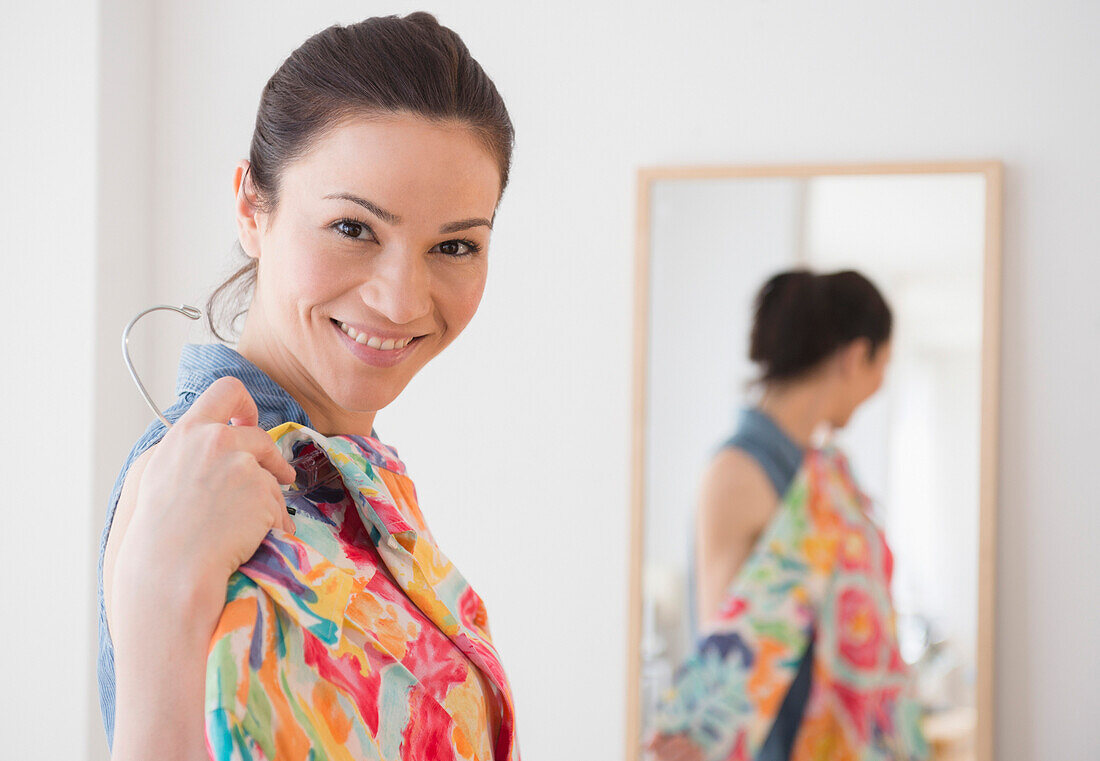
{"x": 535, "y": 396}
{"x": 124, "y": 264}
{"x": 47, "y": 215}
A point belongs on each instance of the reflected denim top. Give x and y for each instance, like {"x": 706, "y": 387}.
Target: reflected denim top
{"x": 200, "y": 365}
{"x": 775, "y": 451}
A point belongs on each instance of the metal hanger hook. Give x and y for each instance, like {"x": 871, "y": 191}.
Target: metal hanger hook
{"x": 187, "y": 311}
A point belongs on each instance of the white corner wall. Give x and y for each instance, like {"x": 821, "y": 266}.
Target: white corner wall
{"x": 518, "y": 436}
{"x": 47, "y": 215}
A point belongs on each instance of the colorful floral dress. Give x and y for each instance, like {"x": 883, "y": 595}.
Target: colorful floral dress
{"x": 354, "y": 637}
{"x": 821, "y": 570}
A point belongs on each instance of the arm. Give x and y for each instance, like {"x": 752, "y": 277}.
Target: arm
{"x": 160, "y": 648}
{"x": 189, "y": 514}
{"x": 736, "y": 502}
{"x": 725, "y": 697}
{"x": 160, "y": 665}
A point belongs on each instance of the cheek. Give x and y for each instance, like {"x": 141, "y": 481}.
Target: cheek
{"x": 880, "y": 378}
{"x": 459, "y": 295}
{"x": 305, "y": 274}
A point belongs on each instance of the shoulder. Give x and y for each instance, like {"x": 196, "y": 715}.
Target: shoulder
{"x": 736, "y": 488}
{"x": 126, "y": 482}
{"x": 732, "y": 470}
{"x": 203, "y": 364}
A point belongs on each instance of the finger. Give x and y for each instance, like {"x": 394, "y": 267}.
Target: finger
{"x": 282, "y": 517}
{"x": 682, "y": 749}
{"x": 670, "y": 747}
{"x": 258, "y": 443}
{"x": 224, "y": 400}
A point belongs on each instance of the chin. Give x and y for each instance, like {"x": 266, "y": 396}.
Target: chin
{"x": 360, "y": 400}
{"x": 841, "y": 421}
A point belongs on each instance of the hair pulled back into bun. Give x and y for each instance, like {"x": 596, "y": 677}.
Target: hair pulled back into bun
{"x": 802, "y": 318}
{"x": 378, "y": 66}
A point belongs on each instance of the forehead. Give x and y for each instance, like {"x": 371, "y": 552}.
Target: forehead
{"x": 406, "y": 164}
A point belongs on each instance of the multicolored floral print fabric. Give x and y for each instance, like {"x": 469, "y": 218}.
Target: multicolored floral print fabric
{"x": 354, "y": 637}
{"x": 821, "y": 569}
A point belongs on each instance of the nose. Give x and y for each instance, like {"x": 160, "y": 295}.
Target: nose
{"x": 398, "y": 286}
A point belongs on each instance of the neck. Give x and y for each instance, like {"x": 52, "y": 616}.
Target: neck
{"x": 797, "y": 408}
{"x": 260, "y": 347}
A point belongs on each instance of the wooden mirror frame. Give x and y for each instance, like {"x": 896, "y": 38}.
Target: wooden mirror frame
{"x": 989, "y": 421}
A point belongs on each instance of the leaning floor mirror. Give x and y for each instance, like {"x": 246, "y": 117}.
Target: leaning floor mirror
{"x": 923, "y": 448}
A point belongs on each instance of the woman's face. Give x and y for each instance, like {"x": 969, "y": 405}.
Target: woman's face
{"x": 373, "y": 261}
{"x": 861, "y": 377}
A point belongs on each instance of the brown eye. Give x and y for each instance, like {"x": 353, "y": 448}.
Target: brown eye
{"x": 354, "y": 229}
{"x": 349, "y": 228}
{"x": 457, "y": 248}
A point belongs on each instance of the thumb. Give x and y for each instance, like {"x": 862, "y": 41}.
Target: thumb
{"x": 225, "y": 400}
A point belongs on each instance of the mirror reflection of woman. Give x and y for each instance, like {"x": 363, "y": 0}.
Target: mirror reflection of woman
{"x": 230, "y": 628}
{"x": 797, "y": 655}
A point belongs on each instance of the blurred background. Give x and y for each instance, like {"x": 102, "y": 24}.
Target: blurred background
{"x": 914, "y": 448}
{"x": 121, "y": 122}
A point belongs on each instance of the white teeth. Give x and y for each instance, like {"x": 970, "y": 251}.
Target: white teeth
{"x": 383, "y": 344}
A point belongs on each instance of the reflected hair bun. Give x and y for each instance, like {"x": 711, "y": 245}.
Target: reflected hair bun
{"x": 802, "y": 318}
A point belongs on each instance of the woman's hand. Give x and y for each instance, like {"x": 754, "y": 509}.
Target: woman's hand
{"x": 672, "y": 748}
{"x": 209, "y": 494}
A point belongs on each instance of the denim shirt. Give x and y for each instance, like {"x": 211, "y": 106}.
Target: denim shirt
{"x": 200, "y": 365}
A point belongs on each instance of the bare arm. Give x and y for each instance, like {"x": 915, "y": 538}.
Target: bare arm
{"x": 160, "y": 669}
{"x": 736, "y": 502}
{"x": 124, "y": 511}
{"x": 160, "y": 648}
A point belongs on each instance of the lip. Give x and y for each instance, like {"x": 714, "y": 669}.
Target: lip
{"x": 371, "y": 356}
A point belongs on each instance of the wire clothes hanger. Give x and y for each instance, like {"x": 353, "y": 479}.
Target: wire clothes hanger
{"x": 313, "y": 468}
{"x": 187, "y": 311}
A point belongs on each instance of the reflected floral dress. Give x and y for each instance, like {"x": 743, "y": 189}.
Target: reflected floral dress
{"x": 820, "y": 572}
{"x": 354, "y": 637}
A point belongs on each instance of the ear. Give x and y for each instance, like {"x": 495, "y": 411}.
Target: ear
{"x": 855, "y": 357}
{"x": 246, "y": 210}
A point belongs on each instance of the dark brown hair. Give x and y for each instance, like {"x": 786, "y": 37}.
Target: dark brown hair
{"x": 383, "y": 65}
{"x": 802, "y": 318}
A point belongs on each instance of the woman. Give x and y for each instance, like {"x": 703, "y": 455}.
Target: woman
{"x": 799, "y": 656}
{"x": 379, "y": 156}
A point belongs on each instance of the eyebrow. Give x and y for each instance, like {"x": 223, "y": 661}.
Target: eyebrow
{"x": 465, "y": 224}
{"x": 386, "y": 216}
{"x": 390, "y": 218}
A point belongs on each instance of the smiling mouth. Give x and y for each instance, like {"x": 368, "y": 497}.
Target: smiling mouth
{"x": 374, "y": 342}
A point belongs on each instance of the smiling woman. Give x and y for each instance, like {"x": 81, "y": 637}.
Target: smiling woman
{"x": 379, "y": 156}
{"x": 364, "y": 235}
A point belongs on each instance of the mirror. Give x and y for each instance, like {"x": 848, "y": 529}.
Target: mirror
{"x": 923, "y": 448}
